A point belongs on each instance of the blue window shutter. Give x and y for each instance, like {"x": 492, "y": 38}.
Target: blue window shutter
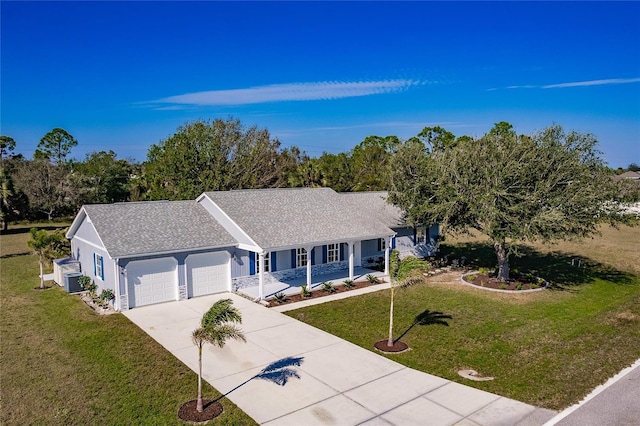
{"x": 393, "y": 243}
{"x": 293, "y": 258}
{"x": 273, "y": 261}
{"x": 102, "y": 268}
{"x": 415, "y": 236}
{"x": 325, "y": 250}
{"x": 379, "y": 244}
{"x": 95, "y": 269}
{"x": 252, "y": 263}
{"x": 313, "y": 256}
{"x": 342, "y": 250}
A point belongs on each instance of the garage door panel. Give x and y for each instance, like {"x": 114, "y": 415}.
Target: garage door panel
{"x": 152, "y": 281}
{"x": 208, "y": 273}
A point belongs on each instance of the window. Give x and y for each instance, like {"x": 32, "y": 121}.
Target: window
{"x": 301, "y": 257}
{"x": 267, "y": 266}
{"x": 333, "y": 253}
{"x": 421, "y": 237}
{"x": 98, "y": 266}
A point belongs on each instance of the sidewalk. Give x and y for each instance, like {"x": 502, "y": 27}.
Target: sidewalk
{"x": 289, "y": 373}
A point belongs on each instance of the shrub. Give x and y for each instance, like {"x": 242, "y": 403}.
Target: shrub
{"x": 328, "y": 287}
{"x": 348, "y": 283}
{"x": 280, "y": 297}
{"x": 515, "y": 271}
{"x": 304, "y": 291}
{"x": 503, "y": 286}
{"x": 519, "y": 287}
{"x": 471, "y": 277}
{"x": 372, "y": 279}
{"x": 483, "y": 270}
{"x": 87, "y": 284}
{"x": 107, "y": 295}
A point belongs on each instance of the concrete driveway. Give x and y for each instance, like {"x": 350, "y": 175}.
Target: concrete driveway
{"x": 289, "y": 373}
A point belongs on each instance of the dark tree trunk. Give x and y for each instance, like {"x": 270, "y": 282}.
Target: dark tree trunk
{"x": 503, "y": 261}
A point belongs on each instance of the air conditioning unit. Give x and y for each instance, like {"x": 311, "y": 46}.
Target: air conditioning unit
{"x": 71, "y": 284}
{"x": 64, "y": 266}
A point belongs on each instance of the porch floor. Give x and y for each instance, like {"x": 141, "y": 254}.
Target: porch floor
{"x": 290, "y": 287}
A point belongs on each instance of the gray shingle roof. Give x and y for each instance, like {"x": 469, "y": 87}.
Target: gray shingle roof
{"x": 375, "y": 203}
{"x": 128, "y": 229}
{"x": 279, "y": 218}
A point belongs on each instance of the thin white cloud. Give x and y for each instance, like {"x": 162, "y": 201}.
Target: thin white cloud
{"x": 575, "y": 84}
{"x": 324, "y": 90}
{"x": 593, "y": 83}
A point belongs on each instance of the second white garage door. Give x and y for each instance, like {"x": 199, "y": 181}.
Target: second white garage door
{"x": 152, "y": 281}
{"x": 208, "y": 273}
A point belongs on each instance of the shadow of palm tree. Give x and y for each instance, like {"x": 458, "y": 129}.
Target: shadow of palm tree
{"x": 560, "y": 269}
{"x": 278, "y": 372}
{"x": 427, "y": 317}
{"x": 281, "y": 371}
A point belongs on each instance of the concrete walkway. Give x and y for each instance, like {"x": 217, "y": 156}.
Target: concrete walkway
{"x": 289, "y": 373}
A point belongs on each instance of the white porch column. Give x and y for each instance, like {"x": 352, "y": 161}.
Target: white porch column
{"x": 260, "y": 276}
{"x": 351, "y": 259}
{"x": 386, "y": 255}
{"x": 308, "y": 251}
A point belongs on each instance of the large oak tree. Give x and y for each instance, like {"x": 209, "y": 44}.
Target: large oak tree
{"x": 549, "y": 186}
{"x": 212, "y": 155}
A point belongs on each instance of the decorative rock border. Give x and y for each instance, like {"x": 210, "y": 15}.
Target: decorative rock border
{"x": 543, "y": 286}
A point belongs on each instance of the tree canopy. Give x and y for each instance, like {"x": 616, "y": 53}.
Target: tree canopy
{"x": 548, "y": 186}
{"x": 212, "y": 155}
{"x": 56, "y": 146}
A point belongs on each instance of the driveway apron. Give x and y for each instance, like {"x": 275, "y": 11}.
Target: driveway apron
{"x": 290, "y": 373}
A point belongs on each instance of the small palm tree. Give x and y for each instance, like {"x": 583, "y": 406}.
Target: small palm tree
{"x": 216, "y": 327}
{"x": 47, "y": 246}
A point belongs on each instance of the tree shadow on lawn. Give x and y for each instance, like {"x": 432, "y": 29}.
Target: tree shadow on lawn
{"x": 559, "y": 269}
{"x": 27, "y": 229}
{"x": 426, "y": 317}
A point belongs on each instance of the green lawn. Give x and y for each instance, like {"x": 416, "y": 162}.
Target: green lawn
{"x": 548, "y": 349}
{"x": 62, "y": 364}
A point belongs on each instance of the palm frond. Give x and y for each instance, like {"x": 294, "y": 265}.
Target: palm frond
{"x": 220, "y": 312}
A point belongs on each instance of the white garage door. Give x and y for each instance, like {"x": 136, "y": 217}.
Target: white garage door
{"x": 152, "y": 281}
{"x": 208, "y": 273}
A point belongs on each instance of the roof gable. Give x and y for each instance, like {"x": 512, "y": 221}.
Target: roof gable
{"x": 295, "y": 217}
{"x": 128, "y": 229}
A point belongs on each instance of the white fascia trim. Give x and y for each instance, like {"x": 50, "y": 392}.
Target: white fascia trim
{"x": 93, "y": 245}
{"x": 82, "y": 213}
{"x": 248, "y": 247}
{"x": 159, "y": 253}
{"x": 204, "y": 195}
{"x": 327, "y": 242}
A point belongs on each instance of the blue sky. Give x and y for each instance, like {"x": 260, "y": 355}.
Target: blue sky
{"x": 319, "y": 75}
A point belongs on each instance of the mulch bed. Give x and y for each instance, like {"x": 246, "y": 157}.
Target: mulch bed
{"x": 321, "y": 293}
{"x": 188, "y": 412}
{"x": 515, "y": 283}
{"x": 397, "y": 347}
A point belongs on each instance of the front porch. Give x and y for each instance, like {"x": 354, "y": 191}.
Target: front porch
{"x": 293, "y": 285}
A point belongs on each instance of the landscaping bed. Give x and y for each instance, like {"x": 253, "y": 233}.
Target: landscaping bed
{"x": 517, "y": 282}
{"x": 317, "y": 293}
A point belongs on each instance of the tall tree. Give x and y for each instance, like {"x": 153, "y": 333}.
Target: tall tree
{"x": 217, "y": 326}
{"x": 47, "y": 246}
{"x": 56, "y": 146}
{"x": 104, "y": 178}
{"x": 369, "y": 162}
{"x": 208, "y": 156}
{"x": 7, "y": 145}
{"x": 549, "y": 186}
{"x": 49, "y": 188}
